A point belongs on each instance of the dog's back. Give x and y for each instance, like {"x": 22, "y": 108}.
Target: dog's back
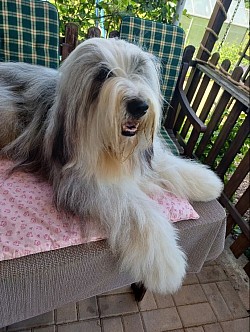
{"x": 25, "y": 90}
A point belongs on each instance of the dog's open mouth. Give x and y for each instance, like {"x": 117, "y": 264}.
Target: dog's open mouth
{"x": 130, "y": 128}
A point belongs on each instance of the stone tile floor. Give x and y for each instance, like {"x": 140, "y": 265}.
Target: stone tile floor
{"x": 214, "y": 300}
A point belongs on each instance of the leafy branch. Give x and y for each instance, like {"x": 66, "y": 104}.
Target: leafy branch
{"x": 89, "y": 13}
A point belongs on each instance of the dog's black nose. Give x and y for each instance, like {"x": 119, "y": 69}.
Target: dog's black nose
{"x": 137, "y": 108}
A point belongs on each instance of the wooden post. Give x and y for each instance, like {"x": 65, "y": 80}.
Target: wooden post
{"x": 215, "y": 24}
{"x": 71, "y": 39}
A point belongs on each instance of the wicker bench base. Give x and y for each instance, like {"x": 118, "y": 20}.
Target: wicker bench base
{"x": 35, "y": 284}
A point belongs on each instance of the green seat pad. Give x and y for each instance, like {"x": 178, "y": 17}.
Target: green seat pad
{"x": 168, "y": 142}
{"x": 165, "y": 41}
{"x": 29, "y": 32}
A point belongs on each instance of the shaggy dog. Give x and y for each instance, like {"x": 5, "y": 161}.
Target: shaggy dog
{"x": 92, "y": 129}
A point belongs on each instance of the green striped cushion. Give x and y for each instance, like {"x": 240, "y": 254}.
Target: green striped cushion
{"x": 168, "y": 142}
{"x": 164, "y": 41}
{"x": 29, "y": 32}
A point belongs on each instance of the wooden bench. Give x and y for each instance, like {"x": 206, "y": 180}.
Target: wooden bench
{"x": 222, "y": 103}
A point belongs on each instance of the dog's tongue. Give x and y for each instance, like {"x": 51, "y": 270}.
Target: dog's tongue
{"x": 129, "y": 128}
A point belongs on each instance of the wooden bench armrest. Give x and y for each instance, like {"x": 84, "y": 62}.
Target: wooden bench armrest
{"x": 198, "y": 125}
{"x": 189, "y": 112}
{"x": 180, "y": 98}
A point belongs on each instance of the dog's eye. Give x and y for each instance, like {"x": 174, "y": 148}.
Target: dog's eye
{"x": 103, "y": 74}
{"x": 139, "y": 71}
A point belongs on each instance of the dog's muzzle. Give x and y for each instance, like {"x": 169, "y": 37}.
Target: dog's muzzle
{"x": 136, "y": 109}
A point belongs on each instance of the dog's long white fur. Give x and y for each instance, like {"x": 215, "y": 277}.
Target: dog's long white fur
{"x": 67, "y": 125}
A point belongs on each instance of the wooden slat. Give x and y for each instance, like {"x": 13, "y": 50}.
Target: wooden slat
{"x": 179, "y": 121}
{"x": 201, "y": 92}
{"x": 191, "y": 143}
{"x": 240, "y": 245}
{"x": 210, "y": 101}
{"x": 224, "y": 132}
{"x": 205, "y": 81}
{"x": 243, "y": 203}
{"x": 244, "y": 226}
{"x": 238, "y": 176}
{"x": 238, "y": 141}
{"x": 192, "y": 83}
{"x": 230, "y": 225}
{"x": 214, "y": 122}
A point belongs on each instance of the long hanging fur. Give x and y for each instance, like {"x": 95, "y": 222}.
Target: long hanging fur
{"x": 67, "y": 125}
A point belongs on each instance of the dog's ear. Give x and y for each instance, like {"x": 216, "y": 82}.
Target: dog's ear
{"x": 102, "y": 74}
{"x": 58, "y": 149}
{"x": 148, "y": 155}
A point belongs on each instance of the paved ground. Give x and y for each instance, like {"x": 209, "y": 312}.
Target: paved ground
{"x": 214, "y": 300}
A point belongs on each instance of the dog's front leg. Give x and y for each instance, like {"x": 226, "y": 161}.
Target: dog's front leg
{"x": 147, "y": 243}
{"x": 186, "y": 178}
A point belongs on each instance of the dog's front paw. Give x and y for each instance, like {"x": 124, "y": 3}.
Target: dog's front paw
{"x": 154, "y": 257}
{"x": 167, "y": 270}
{"x": 210, "y": 185}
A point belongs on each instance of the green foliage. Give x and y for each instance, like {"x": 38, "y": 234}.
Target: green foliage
{"x": 78, "y": 11}
{"x": 83, "y": 12}
{"x": 232, "y": 52}
{"x": 162, "y": 11}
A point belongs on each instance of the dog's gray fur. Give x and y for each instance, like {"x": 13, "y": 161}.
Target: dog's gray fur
{"x": 67, "y": 125}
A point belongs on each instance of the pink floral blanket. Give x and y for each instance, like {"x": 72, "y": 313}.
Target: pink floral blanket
{"x": 30, "y": 223}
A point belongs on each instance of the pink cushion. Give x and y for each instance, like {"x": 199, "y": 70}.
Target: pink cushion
{"x": 30, "y": 223}
{"x": 176, "y": 208}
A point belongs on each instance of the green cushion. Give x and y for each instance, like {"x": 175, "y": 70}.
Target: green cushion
{"x": 164, "y": 41}
{"x": 168, "y": 142}
{"x": 29, "y": 32}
